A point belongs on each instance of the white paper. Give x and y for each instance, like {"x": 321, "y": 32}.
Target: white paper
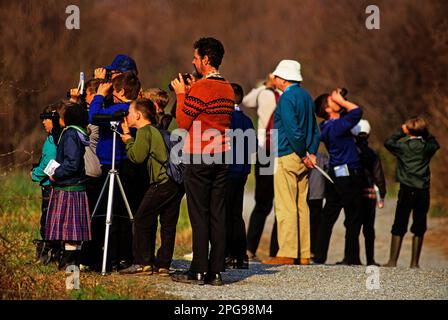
{"x": 51, "y": 167}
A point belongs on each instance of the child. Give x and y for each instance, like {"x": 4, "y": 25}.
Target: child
{"x": 160, "y": 99}
{"x": 48, "y": 116}
{"x": 68, "y": 217}
{"x": 374, "y": 176}
{"x": 414, "y": 147}
{"x": 162, "y": 198}
{"x": 238, "y": 171}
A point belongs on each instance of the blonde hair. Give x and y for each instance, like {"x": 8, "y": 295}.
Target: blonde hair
{"x": 417, "y": 126}
{"x": 156, "y": 95}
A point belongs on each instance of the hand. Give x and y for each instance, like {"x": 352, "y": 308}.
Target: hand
{"x": 100, "y": 73}
{"x": 125, "y": 137}
{"x": 336, "y": 97}
{"x": 74, "y": 95}
{"x": 104, "y": 89}
{"x": 52, "y": 179}
{"x": 308, "y": 162}
{"x": 405, "y": 129}
{"x": 380, "y": 204}
{"x": 179, "y": 86}
{"x": 31, "y": 174}
{"x": 125, "y": 126}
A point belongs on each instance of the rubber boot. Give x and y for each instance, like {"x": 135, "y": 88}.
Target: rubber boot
{"x": 395, "y": 247}
{"x": 417, "y": 243}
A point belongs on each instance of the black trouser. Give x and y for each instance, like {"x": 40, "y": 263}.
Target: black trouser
{"x": 315, "y": 206}
{"x": 205, "y": 186}
{"x": 368, "y": 227}
{"x": 264, "y": 196}
{"x": 160, "y": 201}
{"x": 135, "y": 182}
{"x": 346, "y": 193}
{"x": 46, "y": 192}
{"x": 235, "y": 227}
{"x": 417, "y": 201}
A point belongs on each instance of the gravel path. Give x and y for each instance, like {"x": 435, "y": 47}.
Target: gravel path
{"x": 329, "y": 281}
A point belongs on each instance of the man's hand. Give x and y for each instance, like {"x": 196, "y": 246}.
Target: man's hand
{"x": 104, "y": 89}
{"x": 179, "y": 85}
{"x": 100, "y": 73}
{"x": 309, "y": 161}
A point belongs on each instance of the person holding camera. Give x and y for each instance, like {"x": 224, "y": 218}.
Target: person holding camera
{"x": 162, "y": 198}
{"x": 121, "y": 64}
{"x": 204, "y": 105}
{"x": 414, "y": 147}
{"x": 124, "y": 88}
{"x": 345, "y": 169}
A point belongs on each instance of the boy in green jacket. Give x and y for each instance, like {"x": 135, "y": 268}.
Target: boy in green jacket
{"x": 414, "y": 147}
{"x": 162, "y": 197}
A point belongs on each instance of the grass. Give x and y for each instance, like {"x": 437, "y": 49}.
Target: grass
{"x": 21, "y": 278}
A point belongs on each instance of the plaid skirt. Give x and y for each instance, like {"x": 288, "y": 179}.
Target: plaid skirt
{"x": 68, "y": 216}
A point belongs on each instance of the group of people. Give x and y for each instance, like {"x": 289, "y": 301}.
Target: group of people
{"x": 207, "y": 107}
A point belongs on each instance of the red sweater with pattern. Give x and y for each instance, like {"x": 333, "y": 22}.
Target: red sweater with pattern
{"x": 208, "y": 105}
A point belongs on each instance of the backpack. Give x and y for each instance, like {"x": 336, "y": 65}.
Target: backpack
{"x": 174, "y": 170}
{"x": 270, "y": 125}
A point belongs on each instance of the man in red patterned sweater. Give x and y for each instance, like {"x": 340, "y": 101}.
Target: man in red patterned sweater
{"x": 204, "y": 109}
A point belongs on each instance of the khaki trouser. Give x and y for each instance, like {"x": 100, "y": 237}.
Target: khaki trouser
{"x": 291, "y": 208}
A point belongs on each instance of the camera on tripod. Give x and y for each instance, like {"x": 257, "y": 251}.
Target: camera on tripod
{"x": 116, "y": 116}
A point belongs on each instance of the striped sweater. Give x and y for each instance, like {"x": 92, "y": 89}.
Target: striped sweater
{"x": 209, "y": 104}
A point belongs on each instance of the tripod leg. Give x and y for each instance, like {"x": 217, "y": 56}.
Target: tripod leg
{"x": 100, "y": 197}
{"x": 131, "y": 217}
{"x": 108, "y": 220}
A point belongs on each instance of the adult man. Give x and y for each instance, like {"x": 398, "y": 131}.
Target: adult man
{"x": 298, "y": 141}
{"x": 265, "y": 99}
{"x": 207, "y": 104}
{"x": 346, "y": 172}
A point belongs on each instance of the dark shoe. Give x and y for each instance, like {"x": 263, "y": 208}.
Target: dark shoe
{"x": 395, "y": 247}
{"x": 417, "y": 243}
{"x": 137, "y": 269}
{"x": 373, "y": 263}
{"x": 214, "y": 279}
{"x": 229, "y": 262}
{"x": 189, "y": 277}
{"x": 69, "y": 258}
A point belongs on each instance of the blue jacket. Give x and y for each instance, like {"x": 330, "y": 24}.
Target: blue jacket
{"x": 104, "y": 147}
{"x": 243, "y": 122}
{"x": 339, "y": 141}
{"x": 296, "y": 123}
{"x": 48, "y": 153}
{"x": 70, "y": 156}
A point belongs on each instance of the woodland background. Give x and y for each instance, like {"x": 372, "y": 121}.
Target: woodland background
{"x": 396, "y": 72}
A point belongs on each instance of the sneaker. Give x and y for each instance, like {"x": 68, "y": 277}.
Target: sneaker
{"x": 188, "y": 256}
{"x": 137, "y": 269}
{"x": 163, "y": 272}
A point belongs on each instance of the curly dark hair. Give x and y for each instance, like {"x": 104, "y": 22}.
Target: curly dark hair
{"x": 212, "y": 48}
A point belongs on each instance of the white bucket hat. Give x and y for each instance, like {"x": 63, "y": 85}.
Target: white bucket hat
{"x": 362, "y": 126}
{"x": 288, "y": 70}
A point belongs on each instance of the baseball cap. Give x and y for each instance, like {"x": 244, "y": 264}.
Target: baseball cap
{"x": 123, "y": 63}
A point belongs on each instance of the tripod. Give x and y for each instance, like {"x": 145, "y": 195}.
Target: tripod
{"x": 113, "y": 173}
